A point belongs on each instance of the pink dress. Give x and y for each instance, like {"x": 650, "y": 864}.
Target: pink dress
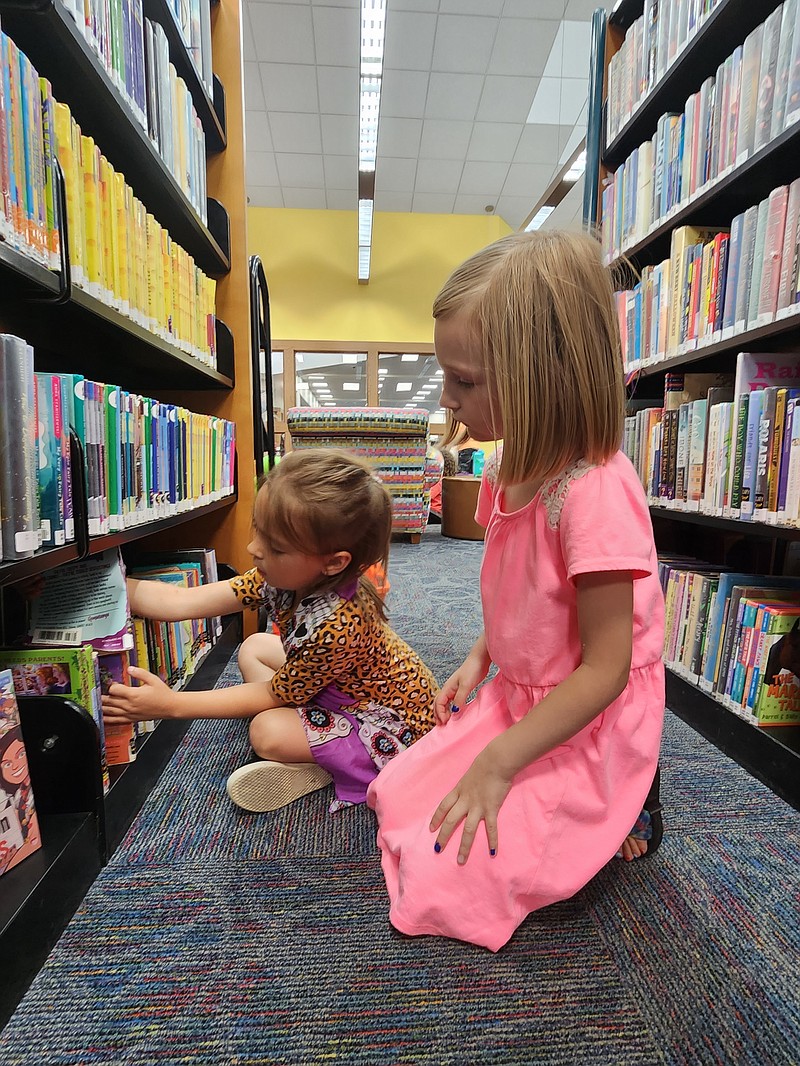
{"x": 568, "y": 812}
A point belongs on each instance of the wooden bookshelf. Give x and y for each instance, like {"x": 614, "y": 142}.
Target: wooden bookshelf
{"x": 770, "y": 754}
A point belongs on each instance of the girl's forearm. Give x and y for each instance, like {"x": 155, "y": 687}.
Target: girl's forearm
{"x": 241, "y": 701}
{"x": 571, "y": 706}
{"x": 479, "y": 652}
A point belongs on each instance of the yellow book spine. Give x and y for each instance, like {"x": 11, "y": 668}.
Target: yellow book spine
{"x": 165, "y": 256}
{"x": 106, "y": 228}
{"x": 73, "y": 182}
{"x": 121, "y": 240}
{"x": 91, "y": 227}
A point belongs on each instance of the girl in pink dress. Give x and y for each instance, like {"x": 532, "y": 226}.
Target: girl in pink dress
{"x": 520, "y": 796}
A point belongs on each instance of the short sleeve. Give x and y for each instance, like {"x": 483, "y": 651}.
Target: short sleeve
{"x": 488, "y": 488}
{"x": 252, "y": 591}
{"x": 604, "y": 523}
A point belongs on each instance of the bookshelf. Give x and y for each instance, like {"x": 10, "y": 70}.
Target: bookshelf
{"x": 772, "y": 754}
{"x": 73, "y": 331}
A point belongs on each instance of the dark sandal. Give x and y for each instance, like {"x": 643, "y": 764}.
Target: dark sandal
{"x": 649, "y": 825}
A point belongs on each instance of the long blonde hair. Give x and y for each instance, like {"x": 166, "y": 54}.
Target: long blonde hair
{"x": 320, "y": 501}
{"x": 541, "y": 309}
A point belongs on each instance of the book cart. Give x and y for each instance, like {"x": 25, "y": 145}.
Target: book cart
{"x": 72, "y": 331}
{"x": 771, "y": 754}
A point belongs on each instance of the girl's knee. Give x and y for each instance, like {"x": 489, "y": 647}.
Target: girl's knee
{"x": 264, "y": 648}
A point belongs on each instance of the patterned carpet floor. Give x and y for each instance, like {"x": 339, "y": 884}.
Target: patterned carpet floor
{"x": 221, "y": 938}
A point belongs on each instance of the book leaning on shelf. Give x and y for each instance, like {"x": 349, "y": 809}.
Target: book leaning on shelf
{"x": 19, "y": 825}
{"x": 752, "y": 99}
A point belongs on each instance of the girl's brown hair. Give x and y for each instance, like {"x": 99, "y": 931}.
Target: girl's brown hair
{"x": 322, "y": 501}
{"x": 541, "y": 310}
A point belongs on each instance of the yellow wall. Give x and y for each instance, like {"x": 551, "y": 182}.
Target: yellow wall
{"x": 310, "y": 259}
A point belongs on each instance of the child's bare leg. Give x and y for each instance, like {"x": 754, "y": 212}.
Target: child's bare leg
{"x": 260, "y": 656}
{"x": 287, "y": 771}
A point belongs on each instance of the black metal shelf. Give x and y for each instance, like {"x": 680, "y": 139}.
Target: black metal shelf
{"x": 58, "y": 50}
{"x": 773, "y": 165}
{"x": 771, "y": 754}
{"x": 783, "y": 333}
{"x": 126, "y": 536}
{"x": 725, "y": 28}
{"x": 727, "y": 525}
{"x": 625, "y": 13}
{"x": 210, "y": 112}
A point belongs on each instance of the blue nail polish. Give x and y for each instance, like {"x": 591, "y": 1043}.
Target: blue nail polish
{"x": 454, "y": 709}
{"x": 492, "y": 851}
{"x": 437, "y": 847}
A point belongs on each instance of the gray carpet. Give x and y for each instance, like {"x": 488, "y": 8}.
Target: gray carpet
{"x": 216, "y": 937}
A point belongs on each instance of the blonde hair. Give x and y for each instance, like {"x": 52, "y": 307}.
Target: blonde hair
{"x": 320, "y": 501}
{"x": 541, "y": 310}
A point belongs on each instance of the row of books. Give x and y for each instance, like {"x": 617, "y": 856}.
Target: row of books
{"x": 722, "y": 447}
{"x": 118, "y": 251}
{"x": 144, "y": 459}
{"x": 135, "y": 54}
{"x": 751, "y": 101}
{"x": 736, "y": 636}
{"x": 652, "y": 44}
{"x": 716, "y": 283}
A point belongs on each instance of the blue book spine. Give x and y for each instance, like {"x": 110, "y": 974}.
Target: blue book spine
{"x": 750, "y": 453}
{"x": 786, "y": 446}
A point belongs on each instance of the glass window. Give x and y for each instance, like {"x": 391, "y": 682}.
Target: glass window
{"x": 410, "y": 380}
{"x": 278, "y": 405}
{"x": 331, "y": 379}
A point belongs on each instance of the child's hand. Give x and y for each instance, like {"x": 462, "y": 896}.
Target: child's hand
{"x": 152, "y": 699}
{"x": 477, "y": 798}
{"x": 454, "y": 692}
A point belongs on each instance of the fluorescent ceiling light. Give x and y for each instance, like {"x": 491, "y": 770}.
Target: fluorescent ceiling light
{"x": 329, "y": 405}
{"x": 539, "y": 218}
{"x": 351, "y": 386}
{"x": 404, "y": 386}
{"x": 364, "y": 256}
{"x": 382, "y": 370}
{"x": 315, "y": 377}
{"x": 348, "y": 358}
{"x": 577, "y": 168}
{"x": 409, "y": 358}
{"x": 372, "y": 34}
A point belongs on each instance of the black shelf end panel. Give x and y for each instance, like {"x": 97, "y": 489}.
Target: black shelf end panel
{"x": 772, "y": 755}
{"x": 132, "y": 784}
{"x": 725, "y": 28}
{"x": 219, "y": 225}
{"x": 160, "y": 11}
{"x": 774, "y": 165}
{"x": 55, "y": 46}
{"x": 221, "y": 111}
{"x": 226, "y": 362}
{"x": 727, "y": 525}
{"x": 625, "y": 13}
{"x": 39, "y": 897}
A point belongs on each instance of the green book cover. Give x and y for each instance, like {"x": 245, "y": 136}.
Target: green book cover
{"x": 777, "y": 700}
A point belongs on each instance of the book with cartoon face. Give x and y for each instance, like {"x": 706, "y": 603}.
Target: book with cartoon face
{"x": 19, "y": 826}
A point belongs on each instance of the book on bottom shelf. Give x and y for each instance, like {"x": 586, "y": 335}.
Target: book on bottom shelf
{"x": 19, "y": 825}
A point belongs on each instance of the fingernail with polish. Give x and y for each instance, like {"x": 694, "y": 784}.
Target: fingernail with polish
{"x": 455, "y": 709}
{"x": 437, "y": 847}
{"x": 492, "y": 851}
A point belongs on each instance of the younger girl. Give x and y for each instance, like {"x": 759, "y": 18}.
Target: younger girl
{"x": 338, "y": 694}
{"x": 539, "y": 779}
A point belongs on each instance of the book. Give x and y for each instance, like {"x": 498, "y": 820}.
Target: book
{"x": 19, "y": 825}
{"x": 771, "y": 257}
{"x": 765, "y": 99}
{"x": 777, "y": 698}
{"x": 748, "y": 101}
{"x": 20, "y": 526}
{"x": 783, "y": 67}
{"x": 791, "y": 236}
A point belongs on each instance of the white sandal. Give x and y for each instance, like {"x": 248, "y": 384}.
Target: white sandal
{"x": 266, "y": 786}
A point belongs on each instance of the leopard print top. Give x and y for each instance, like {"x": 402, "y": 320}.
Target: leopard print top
{"x": 336, "y": 640}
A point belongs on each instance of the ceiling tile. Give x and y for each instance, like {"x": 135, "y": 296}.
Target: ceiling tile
{"x": 545, "y": 9}
{"x": 433, "y": 203}
{"x": 341, "y": 199}
{"x": 463, "y": 44}
{"x": 568, "y": 214}
{"x": 584, "y": 9}
{"x": 444, "y": 140}
{"x": 574, "y": 92}
{"x": 577, "y": 49}
{"x": 260, "y": 169}
{"x": 522, "y": 46}
{"x": 256, "y": 131}
{"x": 574, "y": 138}
{"x": 300, "y": 171}
{"x": 438, "y": 176}
{"x": 260, "y": 196}
{"x": 336, "y": 35}
{"x": 515, "y": 209}
{"x": 506, "y": 99}
{"x": 395, "y": 175}
{"x": 527, "y": 179}
{"x": 552, "y": 67}
{"x": 330, "y": 3}
{"x": 493, "y": 141}
{"x": 415, "y": 5}
{"x": 399, "y": 136}
{"x": 538, "y": 144}
{"x": 282, "y": 32}
{"x": 341, "y": 172}
{"x": 483, "y": 178}
{"x": 472, "y": 205}
{"x": 453, "y": 96}
{"x": 338, "y": 89}
{"x": 248, "y": 45}
{"x": 295, "y": 133}
{"x": 253, "y": 94}
{"x": 304, "y": 198}
{"x": 339, "y": 134}
{"x": 290, "y": 87}
{"x": 546, "y": 106}
{"x": 403, "y": 93}
{"x": 409, "y": 40}
{"x": 469, "y": 7}
{"x": 393, "y": 201}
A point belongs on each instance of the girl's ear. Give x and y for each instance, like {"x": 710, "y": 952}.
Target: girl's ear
{"x": 337, "y": 562}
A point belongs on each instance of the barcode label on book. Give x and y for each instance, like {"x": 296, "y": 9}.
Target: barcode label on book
{"x": 57, "y": 636}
